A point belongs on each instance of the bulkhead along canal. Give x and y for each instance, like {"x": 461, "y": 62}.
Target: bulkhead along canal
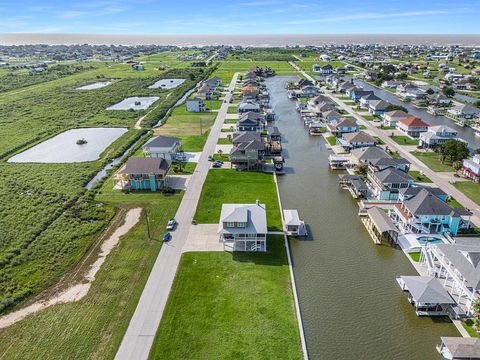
{"x": 352, "y": 307}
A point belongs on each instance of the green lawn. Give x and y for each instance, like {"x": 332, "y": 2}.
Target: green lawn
{"x": 93, "y": 327}
{"x": 194, "y": 143}
{"x": 469, "y": 326}
{"x": 404, "y": 140}
{"x": 432, "y": 160}
{"x": 454, "y": 203}
{"x": 472, "y": 190}
{"x": 221, "y": 157}
{"x": 235, "y": 187}
{"x": 224, "y": 141}
{"x": 332, "y": 140}
{"x": 186, "y": 169}
{"x": 415, "y": 256}
{"x": 225, "y": 306}
{"x": 419, "y": 177}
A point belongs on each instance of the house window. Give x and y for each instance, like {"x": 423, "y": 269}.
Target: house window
{"x": 240, "y": 224}
{"x": 230, "y": 224}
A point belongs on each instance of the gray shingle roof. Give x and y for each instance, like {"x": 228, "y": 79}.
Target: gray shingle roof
{"x": 392, "y": 175}
{"x": 370, "y": 153}
{"x": 427, "y": 290}
{"x": 254, "y": 215}
{"x": 425, "y": 203}
{"x": 162, "y": 142}
{"x": 462, "y": 348}
{"x": 135, "y": 165}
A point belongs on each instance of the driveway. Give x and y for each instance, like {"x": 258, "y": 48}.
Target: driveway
{"x": 203, "y": 237}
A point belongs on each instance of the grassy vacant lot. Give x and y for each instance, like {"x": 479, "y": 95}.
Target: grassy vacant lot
{"x": 93, "y": 327}
{"x": 225, "y": 306}
{"x": 332, "y": 140}
{"x": 432, "y": 160}
{"x": 235, "y": 187}
{"x": 404, "y": 140}
{"x": 469, "y": 326}
{"x": 472, "y": 190}
{"x": 419, "y": 177}
{"x": 48, "y": 219}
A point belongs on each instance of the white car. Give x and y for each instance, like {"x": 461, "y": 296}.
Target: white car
{"x": 171, "y": 225}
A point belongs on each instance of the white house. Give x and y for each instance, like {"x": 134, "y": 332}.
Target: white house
{"x": 392, "y": 118}
{"x": 195, "y": 105}
{"x": 162, "y": 147}
{"x": 471, "y": 168}
{"x": 463, "y": 111}
{"x": 436, "y": 135}
{"x": 243, "y": 227}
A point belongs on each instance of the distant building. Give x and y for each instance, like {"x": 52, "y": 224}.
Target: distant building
{"x": 195, "y": 105}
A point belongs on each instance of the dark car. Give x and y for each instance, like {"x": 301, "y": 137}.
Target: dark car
{"x": 167, "y": 237}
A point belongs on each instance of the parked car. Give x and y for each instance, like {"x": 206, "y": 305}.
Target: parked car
{"x": 171, "y": 224}
{"x": 210, "y": 158}
{"x": 181, "y": 157}
{"x": 216, "y": 164}
{"x": 167, "y": 237}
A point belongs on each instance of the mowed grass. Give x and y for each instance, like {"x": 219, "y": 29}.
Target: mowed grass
{"x": 418, "y": 177}
{"x": 230, "y": 306}
{"x": 404, "y": 140}
{"x": 472, "y": 190}
{"x": 93, "y": 327}
{"x": 432, "y": 160}
{"x": 235, "y": 187}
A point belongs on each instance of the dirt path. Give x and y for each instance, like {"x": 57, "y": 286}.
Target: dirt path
{"x": 78, "y": 291}
{"x": 138, "y": 124}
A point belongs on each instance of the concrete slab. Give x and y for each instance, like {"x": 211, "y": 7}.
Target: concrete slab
{"x": 193, "y": 156}
{"x": 232, "y": 116}
{"x": 203, "y": 237}
{"x": 179, "y": 182}
{"x": 224, "y": 148}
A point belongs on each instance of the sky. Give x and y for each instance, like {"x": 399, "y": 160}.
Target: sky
{"x": 240, "y": 17}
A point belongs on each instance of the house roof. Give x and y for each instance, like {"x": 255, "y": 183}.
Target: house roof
{"x": 254, "y": 215}
{"x": 369, "y": 153}
{"x": 291, "y": 218}
{"x": 397, "y": 114}
{"x": 370, "y": 96}
{"x": 465, "y": 257}
{"x": 462, "y": 348}
{"x": 381, "y": 220}
{"x": 346, "y": 123}
{"x": 136, "y": 165}
{"x": 392, "y": 175}
{"x": 386, "y": 162}
{"x": 359, "y": 137}
{"x": 426, "y": 203}
{"x": 162, "y": 142}
{"x": 378, "y": 104}
{"x": 414, "y": 121}
{"x": 427, "y": 290}
{"x": 248, "y": 105}
{"x": 251, "y": 115}
{"x": 246, "y": 136}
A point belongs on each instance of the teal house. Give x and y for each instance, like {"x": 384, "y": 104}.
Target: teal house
{"x": 143, "y": 174}
{"x": 425, "y": 213}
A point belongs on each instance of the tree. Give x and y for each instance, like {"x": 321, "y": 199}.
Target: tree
{"x": 448, "y": 91}
{"x": 430, "y": 91}
{"x": 393, "y": 107}
{"x": 453, "y": 151}
{"x": 361, "y": 169}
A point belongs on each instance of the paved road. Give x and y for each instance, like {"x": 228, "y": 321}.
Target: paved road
{"x": 438, "y": 179}
{"x": 143, "y": 326}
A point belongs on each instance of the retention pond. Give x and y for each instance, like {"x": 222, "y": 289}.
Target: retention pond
{"x": 351, "y": 305}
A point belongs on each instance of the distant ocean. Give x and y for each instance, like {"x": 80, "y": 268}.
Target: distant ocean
{"x": 243, "y": 40}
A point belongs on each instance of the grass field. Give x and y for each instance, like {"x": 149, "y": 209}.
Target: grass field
{"x": 231, "y": 186}
{"x": 332, "y": 140}
{"x": 432, "y": 160}
{"x": 225, "y": 306}
{"x": 93, "y": 327}
{"x": 417, "y": 177}
{"x": 48, "y": 219}
{"x": 472, "y": 190}
{"x": 404, "y": 140}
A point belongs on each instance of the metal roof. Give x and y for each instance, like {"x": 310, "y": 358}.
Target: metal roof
{"x": 427, "y": 290}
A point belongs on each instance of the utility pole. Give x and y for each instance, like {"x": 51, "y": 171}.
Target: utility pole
{"x": 148, "y": 224}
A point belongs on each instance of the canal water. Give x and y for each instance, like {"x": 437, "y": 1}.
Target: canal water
{"x": 351, "y": 305}
{"x": 465, "y": 133}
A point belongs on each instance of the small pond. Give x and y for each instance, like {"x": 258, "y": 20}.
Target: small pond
{"x": 167, "y": 84}
{"x": 63, "y": 148}
{"x": 134, "y": 103}
{"x": 95, "y": 86}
